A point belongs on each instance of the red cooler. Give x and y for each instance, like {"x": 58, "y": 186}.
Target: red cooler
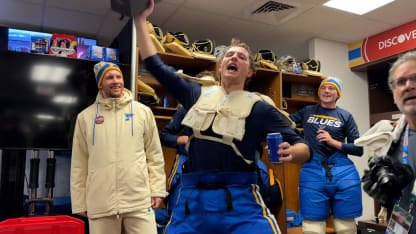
{"x": 43, "y": 225}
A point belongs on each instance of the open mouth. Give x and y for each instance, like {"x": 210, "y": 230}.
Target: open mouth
{"x": 232, "y": 68}
{"x": 410, "y": 98}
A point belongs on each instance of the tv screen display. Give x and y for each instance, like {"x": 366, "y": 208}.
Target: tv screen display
{"x": 28, "y": 41}
{"x": 41, "y": 96}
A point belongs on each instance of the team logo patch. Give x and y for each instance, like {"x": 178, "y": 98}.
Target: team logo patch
{"x": 99, "y": 119}
{"x": 128, "y": 116}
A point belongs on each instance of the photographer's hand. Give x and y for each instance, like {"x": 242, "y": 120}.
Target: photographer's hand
{"x": 385, "y": 179}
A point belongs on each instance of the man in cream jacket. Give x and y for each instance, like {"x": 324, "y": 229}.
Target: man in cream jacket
{"x": 117, "y": 168}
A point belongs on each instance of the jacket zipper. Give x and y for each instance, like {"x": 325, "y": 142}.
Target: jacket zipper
{"x": 115, "y": 168}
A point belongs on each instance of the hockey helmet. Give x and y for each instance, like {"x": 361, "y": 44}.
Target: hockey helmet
{"x": 204, "y": 49}
{"x": 311, "y": 65}
{"x": 265, "y": 59}
{"x": 219, "y": 51}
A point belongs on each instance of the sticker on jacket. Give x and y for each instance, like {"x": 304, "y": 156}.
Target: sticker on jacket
{"x": 99, "y": 119}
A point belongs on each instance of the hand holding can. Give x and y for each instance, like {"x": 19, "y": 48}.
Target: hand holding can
{"x": 321, "y": 127}
{"x": 273, "y": 142}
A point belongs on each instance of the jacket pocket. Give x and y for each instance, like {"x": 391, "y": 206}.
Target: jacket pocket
{"x": 134, "y": 188}
{"x": 138, "y": 177}
{"x": 100, "y": 190}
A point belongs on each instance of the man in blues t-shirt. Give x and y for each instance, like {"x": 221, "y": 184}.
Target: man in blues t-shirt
{"x": 329, "y": 182}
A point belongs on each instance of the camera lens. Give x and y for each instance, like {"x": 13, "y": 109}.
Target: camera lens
{"x": 385, "y": 176}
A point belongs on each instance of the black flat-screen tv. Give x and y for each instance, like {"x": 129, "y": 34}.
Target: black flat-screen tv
{"x": 40, "y": 97}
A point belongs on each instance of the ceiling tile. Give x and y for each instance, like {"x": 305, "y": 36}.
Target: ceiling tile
{"x": 97, "y": 7}
{"x": 225, "y": 8}
{"x": 204, "y": 27}
{"x": 396, "y": 13}
{"x": 110, "y": 27}
{"x": 20, "y": 14}
{"x": 32, "y": 1}
{"x": 356, "y": 29}
{"x": 176, "y": 2}
{"x": 318, "y": 2}
{"x": 72, "y": 21}
{"x": 316, "y": 20}
{"x": 162, "y": 13}
{"x": 254, "y": 34}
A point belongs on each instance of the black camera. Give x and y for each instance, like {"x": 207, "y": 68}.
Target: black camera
{"x": 385, "y": 179}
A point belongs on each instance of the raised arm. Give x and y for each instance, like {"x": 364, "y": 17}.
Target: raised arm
{"x": 186, "y": 92}
{"x": 146, "y": 47}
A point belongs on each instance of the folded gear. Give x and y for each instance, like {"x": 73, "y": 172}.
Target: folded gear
{"x": 179, "y": 37}
{"x": 201, "y": 81}
{"x": 176, "y": 42}
{"x": 204, "y": 49}
{"x": 146, "y": 94}
{"x": 156, "y": 35}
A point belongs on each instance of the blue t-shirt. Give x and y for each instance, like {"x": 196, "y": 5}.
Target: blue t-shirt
{"x": 338, "y": 122}
{"x": 206, "y": 155}
{"x": 168, "y": 136}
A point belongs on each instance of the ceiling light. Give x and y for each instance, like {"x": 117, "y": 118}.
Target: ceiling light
{"x": 65, "y": 99}
{"x": 359, "y": 7}
{"x": 45, "y": 116}
{"x": 50, "y": 74}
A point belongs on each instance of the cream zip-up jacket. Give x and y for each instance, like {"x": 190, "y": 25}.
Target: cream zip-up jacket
{"x": 117, "y": 162}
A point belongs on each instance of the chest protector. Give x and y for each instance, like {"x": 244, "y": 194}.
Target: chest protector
{"x": 226, "y": 113}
